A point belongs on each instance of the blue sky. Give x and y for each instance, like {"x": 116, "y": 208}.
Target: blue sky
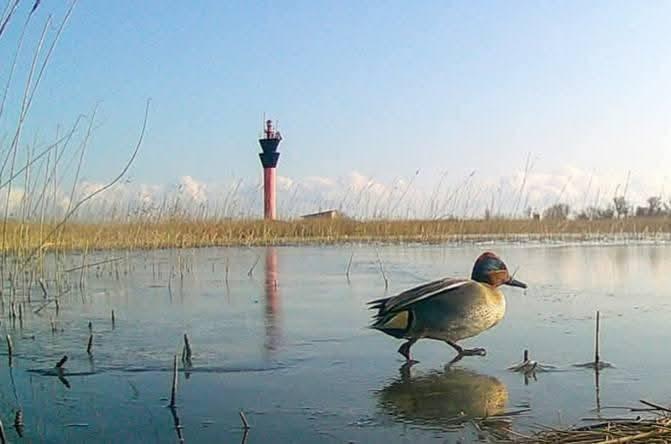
{"x": 381, "y": 88}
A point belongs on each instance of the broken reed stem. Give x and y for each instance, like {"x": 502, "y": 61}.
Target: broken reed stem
{"x": 3, "y": 437}
{"x": 349, "y": 266}
{"x": 173, "y": 392}
{"x": 526, "y": 356}
{"x": 89, "y": 346}
{"x": 83, "y": 267}
{"x": 250, "y": 273}
{"x": 631, "y": 438}
{"x": 113, "y": 319}
{"x": 655, "y": 406}
{"x": 186, "y": 352}
{"x": 18, "y": 422}
{"x": 44, "y": 288}
{"x": 10, "y": 346}
{"x": 243, "y": 418}
{"x": 596, "y": 341}
{"x": 62, "y": 362}
{"x": 384, "y": 276}
{"x": 90, "y": 327}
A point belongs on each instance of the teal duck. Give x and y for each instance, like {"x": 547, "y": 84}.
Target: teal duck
{"x": 449, "y": 309}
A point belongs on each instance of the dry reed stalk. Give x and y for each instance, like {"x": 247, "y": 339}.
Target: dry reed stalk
{"x": 384, "y": 276}
{"x": 10, "y": 347}
{"x": 83, "y": 267}
{"x": 89, "y": 346}
{"x": 173, "y": 391}
{"x": 250, "y": 273}
{"x": 18, "y": 422}
{"x": 596, "y": 342}
{"x": 243, "y": 418}
{"x": 349, "y": 266}
{"x": 3, "y": 437}
{"x": 227, "y": 266}
{"x": 113, "y": 320}
{"x": 61, "y": 362}
{"x": 44, "y": 288}
{"x": 655, "y": 406}
{"x": 609, "y": 430}
{"x": 186, "y": 351}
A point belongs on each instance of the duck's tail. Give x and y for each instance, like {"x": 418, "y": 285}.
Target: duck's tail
{"x": 395, "y": 324}
{"x": 377, "y": 304}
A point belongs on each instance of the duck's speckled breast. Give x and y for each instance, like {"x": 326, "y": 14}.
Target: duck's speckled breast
{"x": 459, "y": 314}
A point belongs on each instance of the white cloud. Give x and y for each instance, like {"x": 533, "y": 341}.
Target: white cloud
{"x": 193, "y": 189}
{"x": 355, "y": 194}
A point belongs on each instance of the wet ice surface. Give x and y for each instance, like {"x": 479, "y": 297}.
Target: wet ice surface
{"x": 289, "y": 346}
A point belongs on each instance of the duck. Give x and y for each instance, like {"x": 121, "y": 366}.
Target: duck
{"x": 448, "y": 309}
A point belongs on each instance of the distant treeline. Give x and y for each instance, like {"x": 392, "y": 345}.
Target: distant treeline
{"x": 619, "y": 208}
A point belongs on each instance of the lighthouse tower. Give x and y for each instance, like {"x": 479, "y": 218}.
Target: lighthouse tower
{"x": 269, "y": 158}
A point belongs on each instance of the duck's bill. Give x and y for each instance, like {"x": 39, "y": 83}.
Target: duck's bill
{"x": 516, "y": 283}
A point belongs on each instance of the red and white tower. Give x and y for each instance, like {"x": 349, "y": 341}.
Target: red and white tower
{"x": 269, "y": 158}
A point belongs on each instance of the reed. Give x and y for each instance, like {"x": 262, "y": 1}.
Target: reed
{"x": 173, "y": 389}
{"x": 22, "y": 238}
{"x": 605, "y": 431}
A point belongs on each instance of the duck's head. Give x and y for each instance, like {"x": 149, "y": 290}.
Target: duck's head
{"x": 489, "y": 269}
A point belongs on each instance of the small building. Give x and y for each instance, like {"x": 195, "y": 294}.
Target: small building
{"x": 328, "y": 214}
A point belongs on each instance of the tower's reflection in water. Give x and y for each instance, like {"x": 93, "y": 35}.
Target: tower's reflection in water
{"x": 272, "y": 301}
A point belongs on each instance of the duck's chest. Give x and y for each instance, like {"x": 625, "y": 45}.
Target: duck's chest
{"x": 490, "y": 312}
{"x": 462, "y": 315}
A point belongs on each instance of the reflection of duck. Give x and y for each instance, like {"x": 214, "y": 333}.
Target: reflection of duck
{"x": 438, "y": 398}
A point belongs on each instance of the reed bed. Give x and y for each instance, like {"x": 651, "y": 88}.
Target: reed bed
{"x": 607, "y": 432}
{"x": 186, "y": 233}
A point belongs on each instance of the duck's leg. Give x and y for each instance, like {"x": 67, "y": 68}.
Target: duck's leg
{"x": 404, "y": 349}
{"x": 466, "y": 351}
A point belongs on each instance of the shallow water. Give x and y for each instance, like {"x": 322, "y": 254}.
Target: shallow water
{"x": 289, "y": 346}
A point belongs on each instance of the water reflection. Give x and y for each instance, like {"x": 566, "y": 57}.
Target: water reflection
{"x": 442, "y": 399}
{"x": 272, "y": 297}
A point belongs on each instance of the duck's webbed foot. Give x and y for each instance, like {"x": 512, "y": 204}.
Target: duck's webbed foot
{"x": 474, "y": 352}
{"x": 466, "y": 351}
{"x": 404, "y": 350}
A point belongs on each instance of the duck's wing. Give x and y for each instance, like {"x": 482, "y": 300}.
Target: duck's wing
{"x": 414, "y": 295}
